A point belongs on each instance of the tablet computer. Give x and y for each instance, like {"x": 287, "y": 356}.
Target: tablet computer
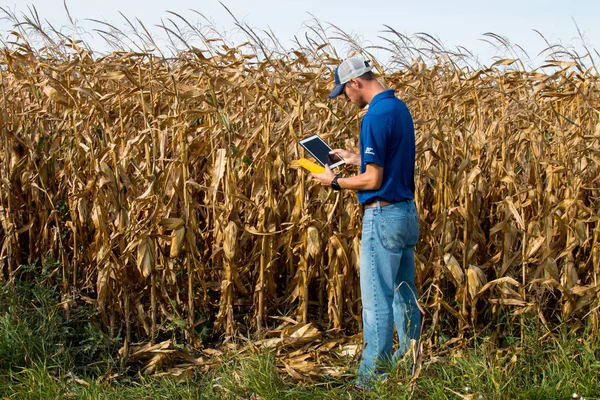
{"x": 320, "y": 151}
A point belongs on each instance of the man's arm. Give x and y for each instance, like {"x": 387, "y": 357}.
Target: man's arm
{"x": 369, "y": 180}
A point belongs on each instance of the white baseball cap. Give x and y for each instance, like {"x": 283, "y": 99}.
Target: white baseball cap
{"x": 348, "y": 69}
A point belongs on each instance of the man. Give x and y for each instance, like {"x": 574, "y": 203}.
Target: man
{"x": 390, "y": 226}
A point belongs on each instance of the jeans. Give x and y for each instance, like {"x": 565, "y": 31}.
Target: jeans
{"x": 387, "y": 284}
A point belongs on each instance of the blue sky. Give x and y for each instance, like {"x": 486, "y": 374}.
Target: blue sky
{"x": 457, "y": 23}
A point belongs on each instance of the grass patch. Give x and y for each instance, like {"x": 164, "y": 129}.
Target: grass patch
{"x": 43, "y": 355}
{"x": 34, "y": 329}
{"x": 552, "y": 371}
{"x": 554, "y": 368}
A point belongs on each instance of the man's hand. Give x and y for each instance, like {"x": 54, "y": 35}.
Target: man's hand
{"x": 324, "y": 178}
{"x": 349, "y": 157}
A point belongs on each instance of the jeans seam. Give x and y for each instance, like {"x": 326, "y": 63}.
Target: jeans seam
{"x": 374, "y": 295}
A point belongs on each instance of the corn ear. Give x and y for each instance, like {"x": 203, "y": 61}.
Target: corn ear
{"x": 146, "y": 258}
{"x": 313, "y": 241}
{"x": 171, "y": 223}
{"x": 230, "y": 242}
{"x": 177, "y": 241}
{"x": 308, "y": 165}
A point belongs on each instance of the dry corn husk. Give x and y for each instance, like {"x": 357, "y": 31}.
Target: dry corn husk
{"x": 313, "y": 241}
{"x": 230, "y": 242}
{"x": 145, "y": 256}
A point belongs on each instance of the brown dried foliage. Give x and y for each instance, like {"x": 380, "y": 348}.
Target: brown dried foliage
{"x": 164, "y": 189}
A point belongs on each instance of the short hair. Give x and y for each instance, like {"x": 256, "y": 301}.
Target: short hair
{"x": 368, "y": 76}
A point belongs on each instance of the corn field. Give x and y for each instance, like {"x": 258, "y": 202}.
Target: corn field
{"x": 164, "y": 191}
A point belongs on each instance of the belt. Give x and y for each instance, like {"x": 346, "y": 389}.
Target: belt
{"x": 382, "y": 203}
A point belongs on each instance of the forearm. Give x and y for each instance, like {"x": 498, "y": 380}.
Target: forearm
{"x": 365, "y": 181}
{"x": 369, "y": 180}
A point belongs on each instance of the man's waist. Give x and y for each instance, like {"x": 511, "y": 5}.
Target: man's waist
{"x": 382, "y": 203}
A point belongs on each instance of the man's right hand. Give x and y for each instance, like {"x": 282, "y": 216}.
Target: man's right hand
{"x": 349, "y": 157}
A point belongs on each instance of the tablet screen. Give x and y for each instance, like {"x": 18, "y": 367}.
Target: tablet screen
{"x": 320, "y": 151}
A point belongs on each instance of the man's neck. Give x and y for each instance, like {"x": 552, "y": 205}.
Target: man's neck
{"x": 372, "y": 89}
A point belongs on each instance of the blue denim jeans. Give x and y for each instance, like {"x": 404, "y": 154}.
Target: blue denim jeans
{"x": 387, "y": 284}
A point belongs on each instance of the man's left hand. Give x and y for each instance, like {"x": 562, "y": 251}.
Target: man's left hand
{"x": 324, "y": 178}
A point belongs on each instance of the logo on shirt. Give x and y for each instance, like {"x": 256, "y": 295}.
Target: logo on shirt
{"x": 370, "y": 151}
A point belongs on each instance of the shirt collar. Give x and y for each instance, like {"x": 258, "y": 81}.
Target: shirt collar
{"x": 386, "y": 94}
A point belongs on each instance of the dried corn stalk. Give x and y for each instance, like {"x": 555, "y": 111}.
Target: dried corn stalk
{"x": 168, "y": 183}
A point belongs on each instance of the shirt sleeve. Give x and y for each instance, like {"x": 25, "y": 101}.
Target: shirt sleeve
{"x": 374, "y": 138}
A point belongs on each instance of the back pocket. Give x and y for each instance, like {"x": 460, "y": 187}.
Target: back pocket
{"x": 393, "y": 232}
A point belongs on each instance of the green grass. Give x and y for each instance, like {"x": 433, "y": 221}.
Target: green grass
{"x": 548, "y": 373}
{"x": 45, "y": 356}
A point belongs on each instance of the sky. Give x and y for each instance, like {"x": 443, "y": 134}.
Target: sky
{"x": 454, "y": 23}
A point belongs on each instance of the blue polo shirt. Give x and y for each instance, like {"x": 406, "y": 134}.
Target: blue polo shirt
{"x": 387, "y": 138}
